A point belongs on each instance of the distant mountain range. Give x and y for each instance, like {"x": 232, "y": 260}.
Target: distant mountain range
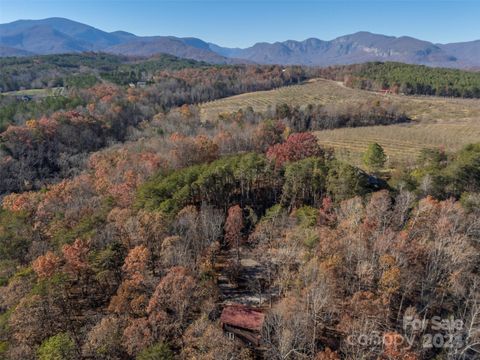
{"x": 58, "y": 35}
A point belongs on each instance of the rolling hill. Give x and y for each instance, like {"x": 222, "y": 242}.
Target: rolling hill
{"x": 436, "y": 122}
{"x": 148, "y": 46}
{"x": 9, "y": 51}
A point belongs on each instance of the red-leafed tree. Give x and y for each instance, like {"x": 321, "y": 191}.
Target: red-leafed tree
{"x": 298, "y": 146}
{"x": 326, "y": 212}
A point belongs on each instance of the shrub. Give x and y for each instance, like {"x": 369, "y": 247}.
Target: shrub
{"x": 156, "y": 352}
{"x": 470, "y": 201}
{"x": 375, "y": 157}
{"x": 272, "y": 213}
{"x": 57, "y": 347}
{"x": 306, "y": 216}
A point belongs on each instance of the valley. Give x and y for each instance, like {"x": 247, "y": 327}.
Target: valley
{"x": 164, "y": 208}
{"x": 436, "y": 122}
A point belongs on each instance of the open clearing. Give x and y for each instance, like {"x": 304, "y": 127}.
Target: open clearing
{"x": 36, "y": 92}
{"x": 437, "y": 122}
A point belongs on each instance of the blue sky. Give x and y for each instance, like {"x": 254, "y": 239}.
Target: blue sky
{"x": 242, "y": 23}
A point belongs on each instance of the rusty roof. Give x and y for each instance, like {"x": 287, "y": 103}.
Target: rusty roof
{"x": 242, "y": 316}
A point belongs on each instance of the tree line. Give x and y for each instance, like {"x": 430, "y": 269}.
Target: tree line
{"x": 407, "y": 79}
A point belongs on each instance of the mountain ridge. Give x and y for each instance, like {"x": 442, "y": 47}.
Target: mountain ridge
{"x": 60, "y": 35}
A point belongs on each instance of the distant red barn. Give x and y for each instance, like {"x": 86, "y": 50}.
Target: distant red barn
{"x": 243, "y": 322}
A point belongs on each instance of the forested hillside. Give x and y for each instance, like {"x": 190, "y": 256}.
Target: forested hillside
{"x": 51, "y": 136}
{"x": 408, "y": 79}
{"x": 36, "y": 72}
{"x": 129, "y": 223}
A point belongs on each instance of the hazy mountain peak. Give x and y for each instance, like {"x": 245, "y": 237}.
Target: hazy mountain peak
{"x": 61, "y": 35}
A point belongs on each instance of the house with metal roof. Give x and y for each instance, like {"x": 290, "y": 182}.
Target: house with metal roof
{"x": 243, "y": 322}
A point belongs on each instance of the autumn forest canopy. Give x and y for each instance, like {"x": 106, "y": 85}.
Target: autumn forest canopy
{"x": 130, "y": 221}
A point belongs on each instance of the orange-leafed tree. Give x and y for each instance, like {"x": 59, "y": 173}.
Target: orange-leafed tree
{"x": 46, "y": 265}
{"x": 75, "y": 256}
{"x": 233, "y": 228}
{"x": 267, "y": 134}
{"x": 137, "y": 336}
{"x": 136, "y": 264}
{"x": 173, "y": 303}
{"x": 132, "y": 294}
{"x": 327, "y": 354}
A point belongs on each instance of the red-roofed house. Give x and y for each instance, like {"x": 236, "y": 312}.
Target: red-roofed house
{"x": 243, "y": 322}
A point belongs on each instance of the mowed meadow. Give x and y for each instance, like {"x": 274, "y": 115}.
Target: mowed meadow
{"x": 437, "y": 122}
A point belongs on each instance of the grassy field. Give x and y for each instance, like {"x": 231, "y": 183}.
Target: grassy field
{"x": 402, "y": 143}
{"x": 35, "y": 92}
{"x": 437, "y": 122}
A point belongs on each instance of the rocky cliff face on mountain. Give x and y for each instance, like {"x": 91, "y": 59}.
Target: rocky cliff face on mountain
{"x": 355, "y": 48}
{"x": 58, "y": 35}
